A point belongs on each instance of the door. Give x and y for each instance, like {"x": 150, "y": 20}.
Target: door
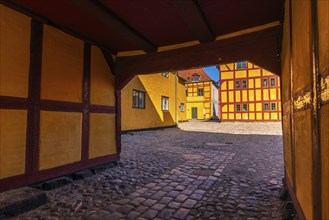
{"x": 194, "y": 112}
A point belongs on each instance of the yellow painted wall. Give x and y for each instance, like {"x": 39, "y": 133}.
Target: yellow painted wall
{"x": 155, "y": 86}
{"x": 202, "y": 103}
{"x": 102, "y": 139}
{"x": 62, "y": 66}
{"x": 181, "y": 98}
{"x": 60, "y": 138}
{"x": 12, "y": 142}
{"x": 14, "y": 52}
{"x": 102, "y": 87}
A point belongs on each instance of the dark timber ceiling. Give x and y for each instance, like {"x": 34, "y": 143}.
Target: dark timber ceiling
{"x": 150, "y": 36}
{"x": 154, "y": 22}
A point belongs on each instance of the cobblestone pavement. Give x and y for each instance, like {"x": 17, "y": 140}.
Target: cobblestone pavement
{"x": 204, "y": 170}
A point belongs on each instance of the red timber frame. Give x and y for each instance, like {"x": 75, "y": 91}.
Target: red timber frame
{"x": 262, "y": 101}
{"x": 34, "y": 104}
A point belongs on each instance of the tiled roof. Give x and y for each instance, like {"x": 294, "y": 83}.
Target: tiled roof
{"x": 187, "y": 75}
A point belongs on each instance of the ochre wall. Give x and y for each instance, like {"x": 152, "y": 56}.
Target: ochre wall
{"x": 14, "y": 53}
{"x": 70, "y": 121}
{"x": 255, "y": 95}
{"x": 202, "y": 103}
{"x": 60, "y": 138}
{"x": 12, "y": 142}
{"x": 62, "y": 66}
{"x": 155, "y": 86}
{"x": 305, "y": 105}
{"x": 181, "y": 99}
{"x": 323, "y": 24}
{"x": 102, "y": 91}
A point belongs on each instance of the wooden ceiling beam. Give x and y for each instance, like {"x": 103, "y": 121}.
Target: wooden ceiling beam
{"x": 99, "y": 11}
{"x": 260, "y": 47}
{"x": 194, "y": 18}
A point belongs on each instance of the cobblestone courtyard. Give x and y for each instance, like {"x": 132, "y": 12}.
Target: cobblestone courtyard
{"x": 202, "y": 170}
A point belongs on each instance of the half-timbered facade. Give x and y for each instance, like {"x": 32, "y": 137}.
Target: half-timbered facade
{"x": 201, "y": 93}
{"x": 248, "y": 93}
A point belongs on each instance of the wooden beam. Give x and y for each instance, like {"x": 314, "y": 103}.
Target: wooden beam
{"x": 194, "y": 18}
{"x": 113, "y": 22}
{"x": 109, "y": 59}
{"x": 260, "y": 48}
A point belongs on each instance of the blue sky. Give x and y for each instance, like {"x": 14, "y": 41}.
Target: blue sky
{"x": 213, "y": 72}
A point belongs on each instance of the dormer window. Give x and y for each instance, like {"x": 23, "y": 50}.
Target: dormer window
{"x": 195, "y": 77}
{"x": 241, "y": 65}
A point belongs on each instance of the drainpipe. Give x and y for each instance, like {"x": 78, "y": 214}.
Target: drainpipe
{"x": 176, "y": 116}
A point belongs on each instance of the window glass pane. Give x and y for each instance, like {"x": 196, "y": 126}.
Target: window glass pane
{"x": 266, "y": 106}
{"x": 238, "y": 107}
{"x": 245, "y": 107}
{"x": 273, "y": 106}
{"x": 272, "y": 81}
{"x": 244, "y": 83}
{"x": 237, "y": 84}
{"x": 265, "y": 83}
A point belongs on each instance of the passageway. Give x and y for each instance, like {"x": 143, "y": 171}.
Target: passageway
{"x": 203, "y": 169}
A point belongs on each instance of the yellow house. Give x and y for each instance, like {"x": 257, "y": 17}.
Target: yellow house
{"x": 153, "y": 101}
{"x": 202, "y": 94}
{"x": 248, "y": 93}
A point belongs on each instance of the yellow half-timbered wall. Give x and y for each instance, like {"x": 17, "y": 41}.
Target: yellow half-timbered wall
{"x": 248, "y": 93}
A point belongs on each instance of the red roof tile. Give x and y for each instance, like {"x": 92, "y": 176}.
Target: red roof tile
{"x": 188, "y": 74}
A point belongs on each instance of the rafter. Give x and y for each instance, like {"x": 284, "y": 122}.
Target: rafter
{"x": 194, "y": 18}
{"x": 95, "y": 9}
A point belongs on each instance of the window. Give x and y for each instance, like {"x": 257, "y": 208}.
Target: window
{"x": 241, "y": 65}
{"x": 165, "y": 74}
{"x": 182, "y": 107}
{"x": 186, "y": 92}
{"x": 195, "y": 77}
{"x": 266, "y": 107}
{"x": 244, "y": 83}
{"x": 265, "y": 83}
{"x": 200, "y": 92}
{"x": 273, "y": 106}
{"x": 164, "y": 103}
{"x": 245, "y": 107}
{"x": 272, "y": 82}
{"x": 237, "y": 84}
{"x": 138, "y": 99}
{"x": 238, "y": 107}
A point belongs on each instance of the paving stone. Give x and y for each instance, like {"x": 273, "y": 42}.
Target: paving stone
{"x": 126, "y": 209}
{"x": 158, "y": 206}
{"x": 150, "y": 202}
{"x": 189, "y": 203}
{"x": 165, "y": 200}
{"x": 181, "y": 213}
{"x": 159, "y": 195}
{"x": 174, "y": 205}
{"x": 173, "y": 194}
{"x": 150, "y": 214}
{"x": 137, "y": 201}
{"x": 181, "y": 198}
{"x": 166, "y": 213}
{"x": 133, "y": 215}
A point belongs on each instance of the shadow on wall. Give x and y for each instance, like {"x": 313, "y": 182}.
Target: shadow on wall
{"x": 151, "y": 116}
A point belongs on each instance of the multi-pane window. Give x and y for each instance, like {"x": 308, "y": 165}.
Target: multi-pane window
{"x": 241, "y": 65}
{"x": 238, "y": 107}
{"x": 138, "y": 99}
{"x": 164, "y": 103}
{"x": 244, "y": 84}
{"x": 195, "y": 78}
{"x": 244, "y": 107}
{"x": 182, "y": 107}
{"x": 272, "y": 82}
{"x": 237, "y": 84}
{"x": 165, "y": 74}
{"x": 273, "y": 106}
{"x": 265, "y": 83}
{"x": 200, "y": 92}
{"x": 266, "y": 107}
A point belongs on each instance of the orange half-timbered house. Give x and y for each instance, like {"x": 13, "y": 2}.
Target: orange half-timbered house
{"x": 248, "y": 93}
